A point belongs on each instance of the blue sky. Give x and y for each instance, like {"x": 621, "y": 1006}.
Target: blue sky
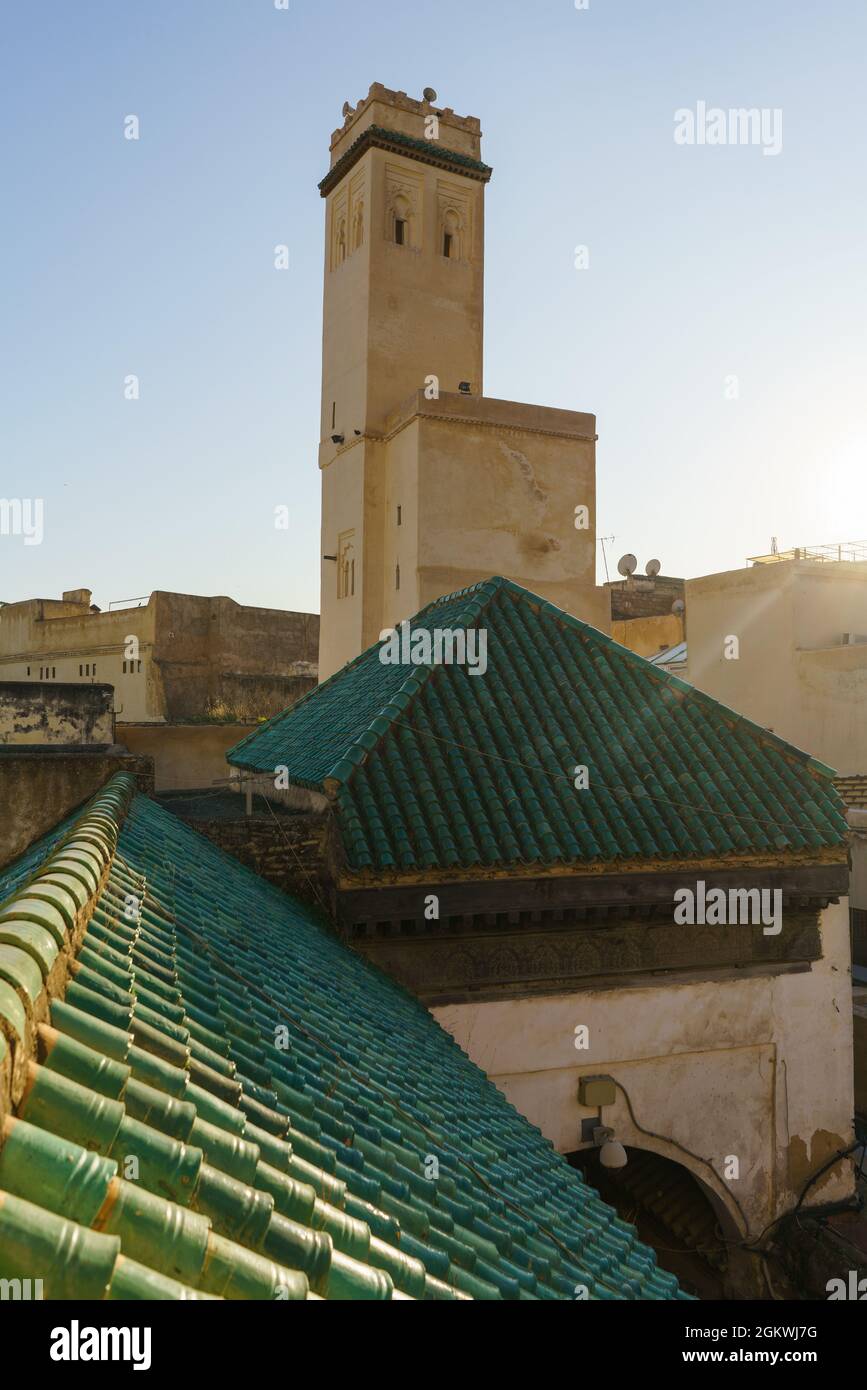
{"x": 155, "y": 257}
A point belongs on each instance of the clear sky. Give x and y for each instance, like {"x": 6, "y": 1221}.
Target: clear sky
{"x": 155, "y": 258}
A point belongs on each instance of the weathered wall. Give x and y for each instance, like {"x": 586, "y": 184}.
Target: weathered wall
{"x": 499, "y": 482}
{"x": 858, "y": 849}
{"x": 758, "y": 1067}
{"x": 484, "y": 487}
{"x": 792, "y": 674}
{"x": 647, "y": 636}
{"x": 643, "y": 597}
{"x": 859, "y": 1020}
{"x": 217, "y": 656}
{"x": 288, "y": 850}
{"x": 184, "y": 755}
{"x": 38, "y": 787}
{"x": 55, "y": 713}
{"x": 82, "y": 647}
{"x": 197, "y": 656}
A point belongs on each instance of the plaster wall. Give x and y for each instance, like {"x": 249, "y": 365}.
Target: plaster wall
{"x": 757, "y": 1068}
{"x": 647, "y": 636}
{"x": 792, "y": 675}
{"x": 185, "y": 756}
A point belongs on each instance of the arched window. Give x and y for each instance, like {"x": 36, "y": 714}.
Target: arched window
{"x": 340, "y": 242}
{"x": 358, "y": 227}
{"x": 401, "y": 222}
{"x": 452, "y": 238}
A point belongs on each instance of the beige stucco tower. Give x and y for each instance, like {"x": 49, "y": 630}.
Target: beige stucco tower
{"x": 427, "y": 485}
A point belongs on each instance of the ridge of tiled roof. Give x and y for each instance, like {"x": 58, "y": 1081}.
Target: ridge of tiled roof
{"x": 204, "y": 1093}
{"x": 431, "y": 768}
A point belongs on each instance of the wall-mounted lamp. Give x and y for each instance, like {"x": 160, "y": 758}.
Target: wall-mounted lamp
{"x": 337, "y": 439}
{"x": 596, "y": 1092}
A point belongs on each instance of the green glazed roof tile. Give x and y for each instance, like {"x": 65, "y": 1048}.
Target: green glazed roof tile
{"x": 134, "y": 1169}
{"x": 433, "y": 767}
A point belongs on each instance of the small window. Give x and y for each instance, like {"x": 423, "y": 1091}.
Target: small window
{"x": 398, "y": 515}
{"x": 81, "y": 670}
{"x": 333, "y": 413}
{"x": 40, "y": 673}
{"x": 87, "y": 669}
{"x": 94, "y": 668}
{"x": 447, "y": 245}
{"x": 124, "y": 668}
{"x": 397, "y": 576}
{"x": 346, "y": 564}
{"x": 28, "y": 670}
{"x": 53, "y": 672}
{"x": 400, "y": 231}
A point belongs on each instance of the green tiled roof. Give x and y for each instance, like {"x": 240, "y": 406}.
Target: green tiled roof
{"x": 224, "y": 1101}
{"x": 432, "y": 767}
{"x": 429, "y": 151}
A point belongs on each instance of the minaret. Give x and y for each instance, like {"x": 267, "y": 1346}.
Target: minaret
{"x": 404, "y": 264}
{"x": 429, "y": 486}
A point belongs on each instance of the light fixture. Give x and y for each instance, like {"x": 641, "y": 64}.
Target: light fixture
{"x": 337, "y": 439}
{"x": 611, "y": 1152}
{"x": 464, "y": 387}
{"x": 596, "y": 1092}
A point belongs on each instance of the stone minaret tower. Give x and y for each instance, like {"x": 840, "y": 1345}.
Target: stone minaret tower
{"x": 426, "y": 485}
{"x": 404, "y": 260}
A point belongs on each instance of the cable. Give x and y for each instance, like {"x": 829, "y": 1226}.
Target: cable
{"x": 665, "y": 1139}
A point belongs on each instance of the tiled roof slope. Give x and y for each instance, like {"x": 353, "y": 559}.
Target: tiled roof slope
{"x": 432, "y": 767}
{"x": 167, "y": 1140}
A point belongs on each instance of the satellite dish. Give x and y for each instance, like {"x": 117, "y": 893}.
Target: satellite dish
{"x": 347, "y": 110}
{"x": 678, "y": 606}
{"x": 429, "y": 94}
{"x": 652, "y": 568}
{"x": 626, "y": 565}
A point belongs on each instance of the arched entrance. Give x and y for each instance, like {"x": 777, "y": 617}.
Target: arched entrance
{"x": 673, "y": 1212}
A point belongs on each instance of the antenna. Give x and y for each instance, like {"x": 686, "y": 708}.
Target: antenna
{"x": 429, "y": 94}
{"x": 626, "y": 565}
{"x": 602, "y": 540}
{"x": 652, "y": 568}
